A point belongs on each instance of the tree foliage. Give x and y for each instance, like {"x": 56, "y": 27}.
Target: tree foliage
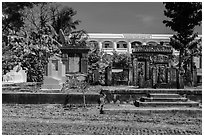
{"x": 33, "y": 41}
{"x": 183, "y": 17}
{"x": 99, "y": 60}
{"x": 62, "y": 18}
{"x": 33, "y": 51}
{"x": 12, "y": 16}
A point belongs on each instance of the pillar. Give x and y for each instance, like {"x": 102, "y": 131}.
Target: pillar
{"x": 130, "y": 75}
{"x": 115, "y": 45}
{"x": 100, "y": 46}
{"x": 50, "y": 68}
{"x": 129, "y": 49}
{"x": 154, "y": 75}
{"x": 65, "y": 61}
{"x": 135, "y": 74}
{"x": 84, "y": 63}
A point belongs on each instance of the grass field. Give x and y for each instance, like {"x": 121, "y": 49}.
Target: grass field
{"x": 54, "y": 119}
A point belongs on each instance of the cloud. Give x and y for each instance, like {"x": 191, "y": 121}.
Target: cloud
{"x": 147, "y": 19}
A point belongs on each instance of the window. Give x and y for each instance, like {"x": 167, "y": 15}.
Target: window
{"x": 124, "y": 45}
{"x": 107, "y": 45}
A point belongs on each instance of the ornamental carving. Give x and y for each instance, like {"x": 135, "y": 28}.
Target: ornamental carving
{"x": 152, "y": 48}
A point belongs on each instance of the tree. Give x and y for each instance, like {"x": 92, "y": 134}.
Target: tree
{"x": 12, "y": 16}
{"x": 183, "y": 17}
{"x": 62, "y": 18}
{"x": 37, "y": 17}
{"x": 33, "y": 51}
{"x": 34, "y": 41}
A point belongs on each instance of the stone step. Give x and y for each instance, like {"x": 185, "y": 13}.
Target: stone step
{"x": 127, "y": 108}
{"x": 169, "y": 104}
{"x": 146, "y": 99}
{"x": 11, "y": 88}
{"x": 163, "y": 95}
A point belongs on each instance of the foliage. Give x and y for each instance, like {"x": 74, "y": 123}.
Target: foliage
{"x": 62, "y": 18}
{"x": 33, "y": 41}
{"x": 183, "y": 17}
{"x": 12, "y": 16}
{"x": 121, "y": 60}
{"x": 79, "y": 82}
{"x": 33, "y": 51}
{"x": 101, "y": 60}
{"x": 59, "y": 17}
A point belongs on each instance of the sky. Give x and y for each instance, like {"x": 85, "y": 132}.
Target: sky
{"x": 122, "y": 17}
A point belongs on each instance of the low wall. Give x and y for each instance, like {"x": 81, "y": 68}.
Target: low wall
{"x": 128, "y": 95}
{"x": 47, "y": 98}
{"x": 122, "y": 95}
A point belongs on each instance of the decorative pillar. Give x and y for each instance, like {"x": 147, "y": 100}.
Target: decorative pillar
{"x": 65, "y": 61}
{"x": 154, "y": 75}
{"x": 84, "y": 63}
{"x": 147, "y": 69}
{"x": 130, "y": 76}
{"x": 135, "y": 67}
{"x": 60, "y": 74}
{"x": 50, "y": 68}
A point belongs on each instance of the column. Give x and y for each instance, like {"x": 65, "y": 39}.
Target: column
{"x": 59, "y": 69}
{"x": 130, "y": 76}
{"x": 100, "y": 46}
{"x": 50, "y": 68}
{"x": 115, "y": 45}
{"x": 129, "y": 49}
{"x": 65, "y": 61}
{"x": 135, "y": 72}
{"x": 84, "y": 64}
{"x": 147, "y": 70}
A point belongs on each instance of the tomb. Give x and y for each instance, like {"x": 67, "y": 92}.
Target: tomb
{"x": 54, "y": 75}
{"x": 17, "y": 75}
{"x": 151, "y": 65}
{"x": 71, "y": 61}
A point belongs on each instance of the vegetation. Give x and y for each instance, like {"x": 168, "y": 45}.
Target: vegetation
{"x": 30, "y": 38}
{"x": 183, "y": 17}
{"x": 100, "y": 61}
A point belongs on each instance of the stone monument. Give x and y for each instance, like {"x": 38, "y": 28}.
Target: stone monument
{"x": 55, "y": 76}
{"x": 17, "y": 75}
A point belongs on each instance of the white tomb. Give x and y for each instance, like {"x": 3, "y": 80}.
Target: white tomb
{"x": 17, "y": 75}
{"x": 55, "y": 76}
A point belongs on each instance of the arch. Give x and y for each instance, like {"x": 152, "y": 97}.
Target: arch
{"x": 107, "y": 44}
{"x": 152, "y": 43}
{"x": 122, "y": 44}
{"x": 135, "y": 43}
{"x": 93, "y": 44}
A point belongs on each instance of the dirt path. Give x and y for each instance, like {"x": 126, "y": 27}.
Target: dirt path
{"x": 53, "y": 119}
